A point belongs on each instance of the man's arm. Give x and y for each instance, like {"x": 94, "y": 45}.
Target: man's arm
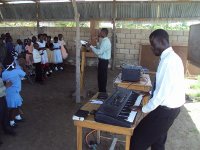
{"x": 105, "y": 46}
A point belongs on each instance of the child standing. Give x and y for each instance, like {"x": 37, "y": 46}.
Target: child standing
{"x": 57, "y": 55}
{"x": 42, "y": 49}
{"x": 19, "y": 47}
{"x": 37, "y": 63}
{"x": 34, "y": 40}
{"x": 63, "y": 46}
{"x": 4, "y": 119}
{"x": 13, "y": 98}
{"x": 50, "y": 52}
{"x": 29, "y": 51}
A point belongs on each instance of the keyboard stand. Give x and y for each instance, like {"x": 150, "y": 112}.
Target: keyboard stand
{"x": 91, "y": 124}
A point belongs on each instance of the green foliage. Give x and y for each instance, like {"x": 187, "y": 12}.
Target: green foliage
{"x": 70, "y": 24}
{"x": 153, "y": 26}
{"x": 119, "y": 24}
{"x": 50, "y": 23}
{"x": 18, "y": 24}
{"x": 195, "y": 96}
{"x": 196, "y": 85}
{"x": 196, "y": 88}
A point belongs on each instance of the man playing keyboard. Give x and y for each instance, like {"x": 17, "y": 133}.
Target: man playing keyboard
{"x": 168, "y": 96}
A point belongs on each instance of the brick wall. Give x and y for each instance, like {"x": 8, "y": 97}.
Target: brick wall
{"x": 128, "y": 40}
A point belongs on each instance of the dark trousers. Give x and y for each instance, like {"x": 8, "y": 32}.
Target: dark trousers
{"x": 4, "y": 116}
{"x": 38, "y": 72}
{"x": 152, "y": 130}
{"x": 102, "y": 74}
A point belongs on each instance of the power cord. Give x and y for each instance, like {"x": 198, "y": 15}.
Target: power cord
{"x": 91, "y": 144}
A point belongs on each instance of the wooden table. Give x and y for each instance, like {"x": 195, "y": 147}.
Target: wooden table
{"x": 143, "y": 85}
{"x": 90, "y": 123}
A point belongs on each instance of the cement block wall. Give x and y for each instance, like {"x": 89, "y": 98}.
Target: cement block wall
{"x": 127, "y": 46}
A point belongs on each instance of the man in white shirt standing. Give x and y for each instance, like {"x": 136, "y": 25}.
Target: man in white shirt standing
{"x": 168, "y": 96}
{"x": 103, "y": 52}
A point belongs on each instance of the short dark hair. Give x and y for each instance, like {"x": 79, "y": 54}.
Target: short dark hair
{"x": 159, "y": 33}
{"x": 55, "y": 39}
{"x": 8, "y": 60}
{"x": 39, "y": 35}
{"x": 105, "y": 30}
{"x": 35, "y": 45}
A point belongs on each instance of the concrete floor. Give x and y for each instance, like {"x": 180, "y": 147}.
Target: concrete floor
{"x": 49, "y": 108}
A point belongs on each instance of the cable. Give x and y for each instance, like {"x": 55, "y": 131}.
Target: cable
{"x": 86, "y": 139}
{"x": 129, "y": 85}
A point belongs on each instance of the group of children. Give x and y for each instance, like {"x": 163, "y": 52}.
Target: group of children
{"x": 46, "y": 56}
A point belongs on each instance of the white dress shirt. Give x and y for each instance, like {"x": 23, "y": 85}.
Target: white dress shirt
{"x": 169, "y": 91}
{"x": 104, "y": 50}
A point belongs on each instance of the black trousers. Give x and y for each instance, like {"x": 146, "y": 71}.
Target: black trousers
{"x": 102, "y": 74}
{"x": 4, "y": 116}
{"x": 38, "y": 72}
{"x": 152, "y": 130}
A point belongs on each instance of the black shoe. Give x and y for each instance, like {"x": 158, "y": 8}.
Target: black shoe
{"x": 1, "y": 143}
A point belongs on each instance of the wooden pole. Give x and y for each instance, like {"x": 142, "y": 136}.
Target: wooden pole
{"x": 1, "y": 15}
{"x": 78, "y": 46}
{"x": 94, "y": 25}
{"x": 38, "y": 15}
{"x": 114, "y": 35}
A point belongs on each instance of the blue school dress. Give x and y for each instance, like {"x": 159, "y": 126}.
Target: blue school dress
{"x": 57, "y": 53}
{"x": 13, "y": 97}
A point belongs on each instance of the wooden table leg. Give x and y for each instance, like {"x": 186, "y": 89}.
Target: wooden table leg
{"x": 128, "y": 138}
{"x": 83, "y": 62}
{"x": 79, "y": 138}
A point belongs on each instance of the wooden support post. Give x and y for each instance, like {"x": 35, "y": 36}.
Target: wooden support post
{"x": 78, "y": 46}
{"x": 1, "y": 15}
{"x": 114, "y": 35}
{"x": 94, "y": 25}
{"x": 38, "y": 15}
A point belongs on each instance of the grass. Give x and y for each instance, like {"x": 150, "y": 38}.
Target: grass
{"x": 195, "y": 86}
{"x": 196, "y": 90}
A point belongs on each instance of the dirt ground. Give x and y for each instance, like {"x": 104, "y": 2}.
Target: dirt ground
{"x": 49, "y": 108}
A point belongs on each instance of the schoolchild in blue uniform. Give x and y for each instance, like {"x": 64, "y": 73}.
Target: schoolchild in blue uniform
{"x": 13, "y": 98}
{"x": 4, "y": 121}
